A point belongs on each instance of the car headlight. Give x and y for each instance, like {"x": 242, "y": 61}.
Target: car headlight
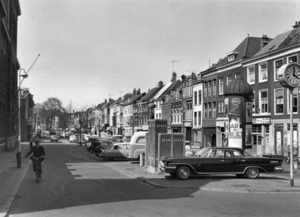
{"x": 162, "y": 164}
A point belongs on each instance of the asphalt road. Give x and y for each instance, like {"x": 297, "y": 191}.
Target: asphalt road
{"x": 74, "y": 184}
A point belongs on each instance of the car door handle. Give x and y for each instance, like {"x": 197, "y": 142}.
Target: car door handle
{"x": 222, "y": 160}
{"x": 243, "y": 160}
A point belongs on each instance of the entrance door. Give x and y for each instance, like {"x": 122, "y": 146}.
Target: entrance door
{"x": 278, "y": 148}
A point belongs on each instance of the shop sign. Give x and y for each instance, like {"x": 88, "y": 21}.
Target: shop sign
{"x": 261, "y": 120}
{"x": 220, "y": 123}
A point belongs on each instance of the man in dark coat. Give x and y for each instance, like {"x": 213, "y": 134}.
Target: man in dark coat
{"x": 39, "y": 152}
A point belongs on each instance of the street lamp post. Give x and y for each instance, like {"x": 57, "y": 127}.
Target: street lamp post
{"x": 25, "y": 75}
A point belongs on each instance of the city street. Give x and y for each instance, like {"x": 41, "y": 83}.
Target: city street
{"x": 74, "y": 184}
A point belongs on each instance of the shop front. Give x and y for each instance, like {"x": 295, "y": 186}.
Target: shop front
{"x": 209, "y": 137}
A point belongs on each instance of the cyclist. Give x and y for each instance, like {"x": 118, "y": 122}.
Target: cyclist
{"x": 39, "y": 152}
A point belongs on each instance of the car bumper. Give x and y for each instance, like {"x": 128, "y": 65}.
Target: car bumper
{"x": 167, "y": 169}
{"x": 278, "y": 169}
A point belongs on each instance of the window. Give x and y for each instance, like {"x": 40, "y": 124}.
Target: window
{"x": 209, "y": 88}
{"x": 263, "y": 72}
{"x": 253, "y": 103}
{"x": 214, "y": 87}
{"x": 199, "y": 93}
{"x": 278, "y": 64}
{"x": 221, "y": 107}
{"x": 214, "y": 110}
{"x": 279, "y": 101}
{"x": 221, "y": 86}
{"x": 195, "y": 118}
{"x": 209, "y": 110}
{"x": 251, "y": 75}
{"x": 292, "y": 59}
{"x": 295, "y": 102}
{"x": 263, "y": 101}
{"x": 205, "y": 110}
{"x": 228, "y": 79}
{"x": 205, "y": 89}
{"x": 195, "y": 97}
{"x": 199, "y": 118}
{"x": 231, "y": 57}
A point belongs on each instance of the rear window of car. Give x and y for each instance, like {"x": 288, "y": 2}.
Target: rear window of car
{"x": 141, "y": 140}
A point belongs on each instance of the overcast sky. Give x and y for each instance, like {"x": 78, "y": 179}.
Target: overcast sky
{"x": 95, "y": 49}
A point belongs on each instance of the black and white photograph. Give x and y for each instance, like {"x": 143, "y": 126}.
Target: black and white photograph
{"x": 149, "y": 108}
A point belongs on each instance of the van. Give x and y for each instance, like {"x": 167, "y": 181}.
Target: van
{"x": 137, "y": 145}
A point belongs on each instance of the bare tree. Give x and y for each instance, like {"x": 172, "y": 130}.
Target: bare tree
{"x": 51, "y": 108}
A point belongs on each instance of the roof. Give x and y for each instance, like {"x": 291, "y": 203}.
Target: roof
{"x": 151, "y": 93}
{"x": 162, "y": 90}
{"x": 134, "y": 99}
{"x": 246, "y": 49}
{"x": 274, "y": 44}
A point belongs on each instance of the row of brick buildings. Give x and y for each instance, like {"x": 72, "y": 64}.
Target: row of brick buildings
{"x": 9, "y": 67}
{"x": 194, "y": 104}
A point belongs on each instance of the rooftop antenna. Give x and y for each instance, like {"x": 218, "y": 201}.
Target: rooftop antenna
{"x": 173, "y": 63}
{"x": 120, "y": 92}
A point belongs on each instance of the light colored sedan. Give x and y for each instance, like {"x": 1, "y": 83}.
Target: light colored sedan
{"x": 54, "y": 138}
{"x": 118, "y": 150}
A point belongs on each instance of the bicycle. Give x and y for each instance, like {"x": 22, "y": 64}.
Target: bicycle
{"x": 37, "y": 167}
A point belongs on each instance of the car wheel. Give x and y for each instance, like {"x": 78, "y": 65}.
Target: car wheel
{"x": 183, "y": 172}
{"x": 252, "y": 173}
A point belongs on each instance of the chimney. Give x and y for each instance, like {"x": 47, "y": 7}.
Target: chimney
{"x": 297, "y": 24}
{"x": 160, "y": 84}
{"x": 138, "y": 91}
{"x": 264, "y": 41}
{"x": 174, "y": 77}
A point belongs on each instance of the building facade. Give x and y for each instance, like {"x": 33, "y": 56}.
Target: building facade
{"x": 9, "y": 66}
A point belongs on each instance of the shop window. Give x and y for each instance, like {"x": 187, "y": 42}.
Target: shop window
{"x": 279, "y": 101}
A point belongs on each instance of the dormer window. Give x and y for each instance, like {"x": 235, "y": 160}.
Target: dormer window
{"x": 231, "y": 56}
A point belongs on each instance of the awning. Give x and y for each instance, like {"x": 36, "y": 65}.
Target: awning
{"x": 209, "y": 130}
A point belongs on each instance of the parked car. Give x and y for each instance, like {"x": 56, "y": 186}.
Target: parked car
{"x": 54, "y": 138}
{"x": 219, "y": 160}
{"x": 101, "y": 145}
{"x": 118, "y": 150}
{"x": 117, "y": 138}
{"x": 137, "y": 145}
{"x": 72, "y": 138}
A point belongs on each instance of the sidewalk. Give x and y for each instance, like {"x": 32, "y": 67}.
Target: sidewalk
{"x": 271, "y": 182}
{"x": 11, "y": 177}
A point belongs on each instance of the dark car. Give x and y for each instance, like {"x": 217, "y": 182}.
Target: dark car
{"x": 220, "y": 161}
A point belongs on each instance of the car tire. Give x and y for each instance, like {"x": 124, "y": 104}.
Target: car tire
{"x": 183, "y": 172}
{"x": 252, "y": 173}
